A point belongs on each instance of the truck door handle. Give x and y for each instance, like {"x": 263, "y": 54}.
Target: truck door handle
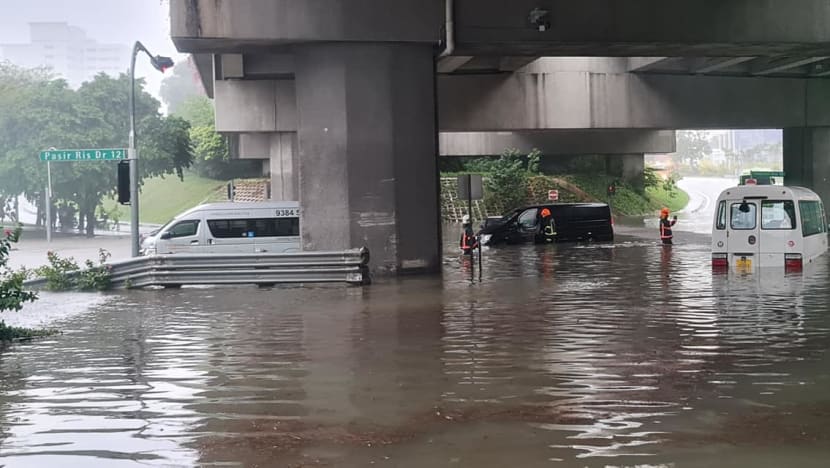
{"x": 210, "y": 241}
{"x": 194, "y": 242}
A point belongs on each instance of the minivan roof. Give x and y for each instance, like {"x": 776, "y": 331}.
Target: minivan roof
{"x": 582, "y": 205}
{"x": 240, "y": 206}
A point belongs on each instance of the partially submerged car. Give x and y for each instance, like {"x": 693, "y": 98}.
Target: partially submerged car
{"x": 570, "y": 222}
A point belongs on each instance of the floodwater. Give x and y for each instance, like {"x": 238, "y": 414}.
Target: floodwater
{"x": 600, "y": 355}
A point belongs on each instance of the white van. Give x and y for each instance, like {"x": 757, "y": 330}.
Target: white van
{"x": 768, "y": 226}
{"x": 272, "y": 227}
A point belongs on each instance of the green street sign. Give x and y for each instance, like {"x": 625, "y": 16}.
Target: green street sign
{"x": 109, "y": 154}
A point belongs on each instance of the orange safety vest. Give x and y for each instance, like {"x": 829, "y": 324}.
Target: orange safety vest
{"x": 468, "y": 241}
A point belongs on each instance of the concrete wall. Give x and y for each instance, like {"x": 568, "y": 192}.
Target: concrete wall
{"x": 558, "y": 142}
{"x": 255, "y": 106}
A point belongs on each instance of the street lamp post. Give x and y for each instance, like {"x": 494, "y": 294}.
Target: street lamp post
{"x": 160, "y": 63}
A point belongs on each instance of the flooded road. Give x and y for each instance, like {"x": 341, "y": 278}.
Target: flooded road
{"x": 624, "y": 354}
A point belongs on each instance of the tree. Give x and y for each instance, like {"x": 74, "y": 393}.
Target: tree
{"x": 692, "y": 146}
{"x": 507, "y": 182}
{"x": 183, "y": 84}
{"x": 211, "y": 152}
{"x": 47, "y": 113}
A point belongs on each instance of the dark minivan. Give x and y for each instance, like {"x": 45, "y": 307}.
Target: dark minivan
{"x": 572, "y": 221}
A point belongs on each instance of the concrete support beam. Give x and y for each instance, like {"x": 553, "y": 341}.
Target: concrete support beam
{"x": 255, "y": 106}
{"x": 452, "y": 63}
{"x": 574, "y": 100}
{"x": 711, "y": 64}
{"x": 644, "y": 64}
{"x": 805, "y": 159}
{"x": 367, "y": 152}
{"x": 777, "y": 66}
{"x": 279, "y": 151}
{"x": 558, "y": 142}
{"x": 644, "y": 28}
{"x": 220, "y": 26}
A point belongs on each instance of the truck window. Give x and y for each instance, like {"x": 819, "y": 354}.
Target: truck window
{"x": 744, "y": 219}
{"x": 184, "y": 229}
{"x": 777, "y": 215}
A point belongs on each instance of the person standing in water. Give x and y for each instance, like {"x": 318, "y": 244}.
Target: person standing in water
{"x": 469, "y": 241}
{"x": 666, "y": 234}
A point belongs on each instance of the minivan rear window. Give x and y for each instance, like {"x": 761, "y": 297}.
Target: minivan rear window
{"x": 744, "y": 216}
{"x": 261, "y": 227}
{"x": 812, "y": 218}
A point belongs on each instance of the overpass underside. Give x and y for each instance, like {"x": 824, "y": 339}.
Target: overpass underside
{"x": 345, "y": 100}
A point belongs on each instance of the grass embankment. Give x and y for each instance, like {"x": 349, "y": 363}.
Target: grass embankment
{"x": 163, "y": 198}
{"x": 629, "y": 201}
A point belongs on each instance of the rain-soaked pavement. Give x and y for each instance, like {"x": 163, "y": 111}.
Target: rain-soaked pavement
{"x": 598, "y": 355}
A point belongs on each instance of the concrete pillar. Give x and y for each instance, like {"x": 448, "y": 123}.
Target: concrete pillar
{"x": 806, "y": 160}
{"x": 283, "y": 167}
{"x": 368, "y": 152}
{"x": 627, "y": 167}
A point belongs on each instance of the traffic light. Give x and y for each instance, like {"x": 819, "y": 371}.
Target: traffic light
{"x": 124, "y": 182}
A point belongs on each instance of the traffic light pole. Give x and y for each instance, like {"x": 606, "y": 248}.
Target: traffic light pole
{"x": 132, "y": 155}
{"x": 159, "y": 63}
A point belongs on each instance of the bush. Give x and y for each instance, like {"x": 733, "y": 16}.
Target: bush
{"x": 12, "y": 294}
{"x": 64, "y": 274}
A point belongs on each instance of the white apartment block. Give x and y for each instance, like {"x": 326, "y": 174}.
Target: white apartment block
{"x": 68, "y": 52}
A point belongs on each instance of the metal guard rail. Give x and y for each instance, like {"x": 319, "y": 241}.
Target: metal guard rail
{"x": 174, "y": 270}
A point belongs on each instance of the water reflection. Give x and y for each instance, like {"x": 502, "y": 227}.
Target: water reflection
{"x": 625, "y": 354}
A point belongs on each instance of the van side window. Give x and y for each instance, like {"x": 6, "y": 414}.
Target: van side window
{"x": 261, "y": 227}
{"x": 721, "y": 224}
{"x": 777, "y": 215}
{"x": 184, "y": 229}
{"x": 528, "y": 219}
{"x": 746, "y": 219}
{"x": 812, "y": 218}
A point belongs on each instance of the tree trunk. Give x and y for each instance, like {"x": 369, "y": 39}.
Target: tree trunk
{"x": 90, "y": 223}
{"x": 39, "y": 219}
{"x": 81, "y": 220}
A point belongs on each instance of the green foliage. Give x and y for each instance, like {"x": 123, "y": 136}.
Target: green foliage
{"x": 211, "y": 150}
{"x": 36, "y": 113}
{"x": 63, "y": 274}
{"x": 12, "y": 294}
{"x": 506, "y": 186}
{"x": 650, "y": 178}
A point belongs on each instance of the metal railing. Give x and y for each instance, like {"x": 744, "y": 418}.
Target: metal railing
{"x": 350, "y": 266}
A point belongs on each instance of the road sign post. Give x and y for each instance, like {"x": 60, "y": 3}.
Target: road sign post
{"x": 71, "y": 155}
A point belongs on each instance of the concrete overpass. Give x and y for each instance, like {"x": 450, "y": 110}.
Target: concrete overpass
{"x": 345, "y": 99}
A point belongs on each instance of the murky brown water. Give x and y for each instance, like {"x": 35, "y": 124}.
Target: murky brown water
{"x": 572, "y": 356}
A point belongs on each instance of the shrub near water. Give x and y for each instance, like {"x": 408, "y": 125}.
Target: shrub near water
{"x": 12, "y": 294}
{"x": 63, "y": 274}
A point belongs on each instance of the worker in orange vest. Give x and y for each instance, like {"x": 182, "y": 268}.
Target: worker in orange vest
{"x": 469, "y": 241}
{"x": 547, "y": 225}
{"x": 666, "y": 234}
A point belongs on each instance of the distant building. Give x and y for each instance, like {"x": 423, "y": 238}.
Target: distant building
{"x": 68, "y": 52}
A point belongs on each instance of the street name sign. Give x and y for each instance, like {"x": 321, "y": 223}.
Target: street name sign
{"x": 109, "y": 154}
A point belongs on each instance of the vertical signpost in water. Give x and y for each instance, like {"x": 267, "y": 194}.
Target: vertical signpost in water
{"x": 55, "y": 155}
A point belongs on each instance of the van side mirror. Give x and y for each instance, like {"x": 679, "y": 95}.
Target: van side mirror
{"x": 166, "y": 235}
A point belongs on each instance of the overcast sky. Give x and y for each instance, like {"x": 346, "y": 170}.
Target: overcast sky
{"x": 109, "y": 21}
